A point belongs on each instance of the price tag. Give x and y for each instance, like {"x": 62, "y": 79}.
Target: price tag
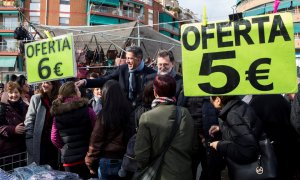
{"x": 255, "y": 55}
{"x": 48, "y": 60}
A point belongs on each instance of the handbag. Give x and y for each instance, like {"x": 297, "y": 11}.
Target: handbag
{"x": 150, "y": 172}
{"x": 95, "y": 56}
{"x": 80, "y": 55}
{"x": 264, "y": 168}
{"x": 129, "y": 163}
{"x": 111, "y": 54}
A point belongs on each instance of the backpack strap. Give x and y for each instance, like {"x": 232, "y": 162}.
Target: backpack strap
{"x": 174, "y": 130}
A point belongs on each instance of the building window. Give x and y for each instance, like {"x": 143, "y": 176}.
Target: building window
{"x": 64, "y": 1}
{"x": 35, "y": 19}
{"x": 35, "y": 1}
{"x": 64, "y": 21}
{"x": 150, "y": 17}
{"x": 10, "y": 22}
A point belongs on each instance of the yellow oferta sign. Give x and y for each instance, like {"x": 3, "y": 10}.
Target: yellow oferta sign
{"x": 50, "y": 59}
{"x": 254, "y": 55}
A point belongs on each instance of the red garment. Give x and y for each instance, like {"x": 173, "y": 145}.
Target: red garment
{"x": 10, "y": 142}
{"x": 48, "y": 120}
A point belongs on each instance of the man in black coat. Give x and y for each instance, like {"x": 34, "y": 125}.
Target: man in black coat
{"x": 131, "y": 76}
{"x": 295, "y": 112}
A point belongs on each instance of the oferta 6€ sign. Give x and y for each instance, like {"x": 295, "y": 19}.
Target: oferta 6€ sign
{"x": 255, "y": 55}
{"x": 50, "y": 59}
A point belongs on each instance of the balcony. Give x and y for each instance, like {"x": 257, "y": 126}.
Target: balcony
{"x": 169, "y": 27}
{"x": 9, "y": 3}
{"x": 10, "y": 26}
{"x": 249, "y": 4}
{"x": 149, "y": 2}
{"x": 117, "y": 12}
{"x": 9, "y": 48}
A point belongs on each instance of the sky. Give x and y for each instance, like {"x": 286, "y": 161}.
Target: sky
{"x": 215, "y": 9}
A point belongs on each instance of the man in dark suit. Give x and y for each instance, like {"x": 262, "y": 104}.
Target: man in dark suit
{"x": 131, "y": 76}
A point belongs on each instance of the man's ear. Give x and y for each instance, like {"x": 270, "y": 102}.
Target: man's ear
{"x": 219, "y": 101}
{"x": 173, "y": 63}
{"x": 140, "y": 58}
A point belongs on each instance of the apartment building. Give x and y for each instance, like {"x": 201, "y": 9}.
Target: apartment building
{"x": 56, "y": 12}
{"x": 10, "y": 18}
{"x": 149, "y": 12}
{"x": 104, "y": 12}
{"x": 162, "y": 15}
{"x": 259, "y": 7}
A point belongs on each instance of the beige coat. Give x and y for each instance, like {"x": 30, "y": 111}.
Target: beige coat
{"x": 154, "y": 129}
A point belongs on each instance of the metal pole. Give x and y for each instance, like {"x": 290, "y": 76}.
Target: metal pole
{"x": 46, "y": 15}
{"x": 88, "y": 13}
{"x": 138, "y": 24}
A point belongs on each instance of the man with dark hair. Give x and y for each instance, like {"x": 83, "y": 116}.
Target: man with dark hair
{"x": 13, "y": 77}
{"x": 131, "y": 75}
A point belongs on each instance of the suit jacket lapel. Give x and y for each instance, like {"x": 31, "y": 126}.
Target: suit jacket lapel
{"x": 126, "y": 80}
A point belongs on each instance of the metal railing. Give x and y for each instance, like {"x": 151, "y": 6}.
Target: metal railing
{"x": 9, "y": 46}
{"x": 8, "y": 163}
{"x": 117, "y": 11}
{"x": 170, "y": 27}
{"x": 9, "y": 25}
{"x": 149, "y": 2}
{"x": 104, "y": 9}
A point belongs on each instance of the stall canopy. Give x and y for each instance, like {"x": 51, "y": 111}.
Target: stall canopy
{"x": 120, "y": 36}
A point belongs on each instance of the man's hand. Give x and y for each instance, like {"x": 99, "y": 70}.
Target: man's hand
{"x": 213, "y": 129}
{"x": 92, "y": 172}
{"x": 214, "y": 144}
{"x": 20, "y": 129}
{"x": 80, "y": 83}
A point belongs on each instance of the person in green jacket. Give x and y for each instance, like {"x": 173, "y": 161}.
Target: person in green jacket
{"x": 155, "y": 128}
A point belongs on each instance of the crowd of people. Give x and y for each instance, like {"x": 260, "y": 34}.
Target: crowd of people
{"x": 87, "y": 126}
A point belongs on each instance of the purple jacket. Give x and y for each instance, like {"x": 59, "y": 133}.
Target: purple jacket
{"x": 55, "y": 136}
{"x": 10, "y": 142}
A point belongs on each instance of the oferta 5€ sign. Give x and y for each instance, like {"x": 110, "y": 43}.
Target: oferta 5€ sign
{"x": 255, "y": 55}
{"x": 50, "y": 59}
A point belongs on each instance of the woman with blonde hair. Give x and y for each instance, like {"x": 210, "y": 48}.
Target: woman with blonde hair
{"x": 12, "y": 116}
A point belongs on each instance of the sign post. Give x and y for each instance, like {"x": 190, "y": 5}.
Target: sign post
{"x": 255, "y": 55}
{"x": 50, "y": 59}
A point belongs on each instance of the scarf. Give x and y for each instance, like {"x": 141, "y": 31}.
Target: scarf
{"x": 17, "y": 105}
{"x": 163, "y": 100}
{"x": 97, "y": 105}
{"x": 172, "y": 72}
{"x": 46, "y": 102}
{"x": 132, "y": 83}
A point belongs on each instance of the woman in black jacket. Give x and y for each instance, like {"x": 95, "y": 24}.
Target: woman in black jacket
{"x": 239, "y": 128}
